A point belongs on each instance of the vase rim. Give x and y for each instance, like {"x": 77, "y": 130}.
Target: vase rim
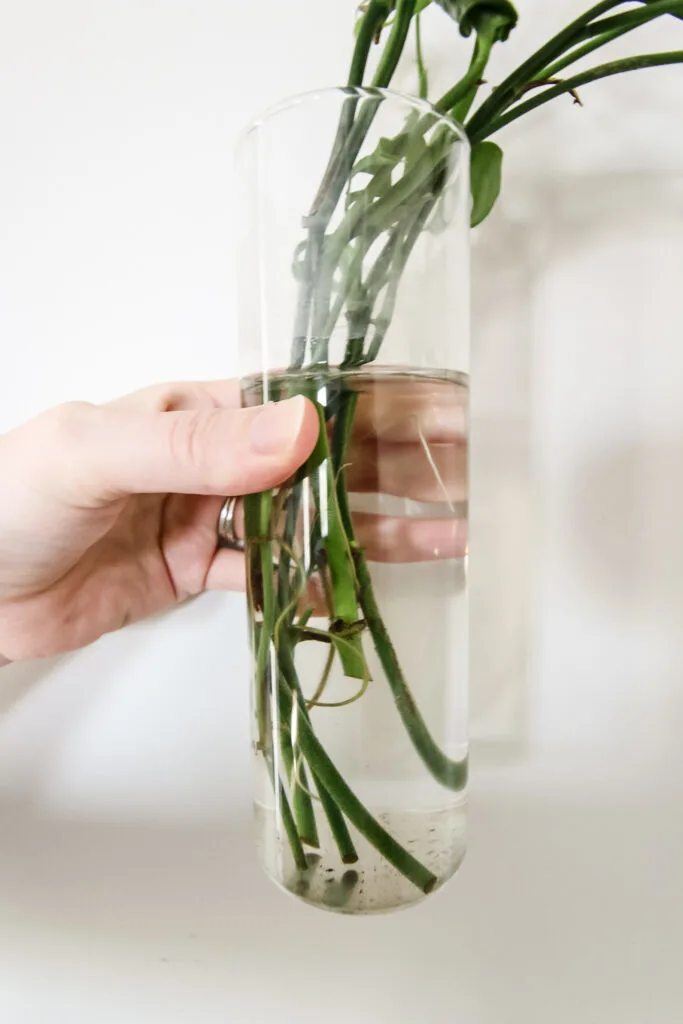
{"x": 414, "y": 102}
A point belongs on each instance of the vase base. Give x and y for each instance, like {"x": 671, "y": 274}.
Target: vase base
{"x": 435, "y": 836}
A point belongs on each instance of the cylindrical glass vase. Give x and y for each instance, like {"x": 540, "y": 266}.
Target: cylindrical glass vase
{"x": 353, "y": 286}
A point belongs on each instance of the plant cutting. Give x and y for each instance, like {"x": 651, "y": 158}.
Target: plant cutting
{"x": 356, "y": 207}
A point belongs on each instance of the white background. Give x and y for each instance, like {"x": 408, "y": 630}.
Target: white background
{"x": 128, "y": 885}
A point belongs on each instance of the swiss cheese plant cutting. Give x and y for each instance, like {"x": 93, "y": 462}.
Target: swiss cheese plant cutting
{"x": 356, "y": 206}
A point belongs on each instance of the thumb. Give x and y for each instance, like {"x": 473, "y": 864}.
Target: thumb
{"x": 104, "y": 453}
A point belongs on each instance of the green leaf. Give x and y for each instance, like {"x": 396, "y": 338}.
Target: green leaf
{"x": 350, "y": 651}
{"x": 392, "y": 148}
{"x": 380, "y": 184}
{"x": 486, "y": 166}
{"x": 374, "y": 163}
{"x": 470, "y": 14}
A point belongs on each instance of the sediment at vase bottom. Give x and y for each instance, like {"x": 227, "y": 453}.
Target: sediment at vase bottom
{"x": 435, "y": 836}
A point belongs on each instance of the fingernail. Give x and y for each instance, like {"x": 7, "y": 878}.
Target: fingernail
{"x": 277, "y": 426}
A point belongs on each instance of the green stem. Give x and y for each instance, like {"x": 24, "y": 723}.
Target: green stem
{"x": 609, "y": 29}
{"x": 284, "y": 560}
{"x": 347, "y": 801}
{"x": 632, "y": 19}
{"x": 339, "y": 166}
{"x": 258, "y": 510}
{"x": 571, "y": 58}
{"x": 335, "y": 818}
{"x": 302, "y": 804}
{"x": 452, "y": 774}
{"x": 480, "y": 58}
{"x": 372, "y": 21}
{"x": 338, "y": 826}
{"x": 339, "y": 558}
{"x": 349, "y": 140}
{"x": 422, "y": 77}
{"x": 324, "y": 678}
{"x": 301, "y": 824}
{"x": 342, "y": 601}
{"x": 508, "y": 91}
{"x": 382, "y": 321}
{"x": 405, "y": 9}
{"x": 285, "y": 813}
{"x": 616, "y": 67}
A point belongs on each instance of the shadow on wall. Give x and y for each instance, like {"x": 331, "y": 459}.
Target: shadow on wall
{"x": 501, "y": 508}
{"x": 610, "y": 458}
{"x": 577, "y": 433}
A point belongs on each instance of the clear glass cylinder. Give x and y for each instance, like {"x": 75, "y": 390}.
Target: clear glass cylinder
{"x": 353, "y": 290}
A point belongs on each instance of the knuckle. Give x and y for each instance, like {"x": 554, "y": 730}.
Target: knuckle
{"x": 192, "y": 443}
{"x": 172, "y": 396}
{"x": 168, "y": 397}
{"x": 67, "y": 424}
{"x": 56, "y": 443}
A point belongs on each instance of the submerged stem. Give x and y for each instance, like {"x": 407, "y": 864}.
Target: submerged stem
{"x": 333, "y": 813}
{"x": 325, "y": 770}
{"x": 451, "y": 774}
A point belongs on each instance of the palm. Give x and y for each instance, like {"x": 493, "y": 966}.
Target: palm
{"x": 154, "y": 551}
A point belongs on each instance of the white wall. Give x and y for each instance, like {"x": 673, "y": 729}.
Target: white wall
{"x": 128, "y": 886}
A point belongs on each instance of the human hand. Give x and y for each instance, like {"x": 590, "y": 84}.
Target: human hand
{"x": 109, "y": 513}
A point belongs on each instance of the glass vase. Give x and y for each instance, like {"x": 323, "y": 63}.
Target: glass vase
{"x": 353, "y": 285}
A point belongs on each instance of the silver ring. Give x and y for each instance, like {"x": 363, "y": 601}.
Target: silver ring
{"x": 227, "y": 538}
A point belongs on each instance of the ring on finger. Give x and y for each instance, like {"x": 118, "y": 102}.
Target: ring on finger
{"x": 227, "y": 535}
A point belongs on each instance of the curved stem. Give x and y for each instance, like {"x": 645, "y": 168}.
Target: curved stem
{"x": 632, "y": 19}
{"x": 608, "y": 29}
{"x": 571, "y": 58}
{"x": 324, "y": 770}
{"x": 450, "y": 773}
{"x": 480, "y": 58}
{"x": 507, "y": 91}
{"x": 332, "y": 811}
{"x": 320, "y": 688}
{"x": 617, "y": 67}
